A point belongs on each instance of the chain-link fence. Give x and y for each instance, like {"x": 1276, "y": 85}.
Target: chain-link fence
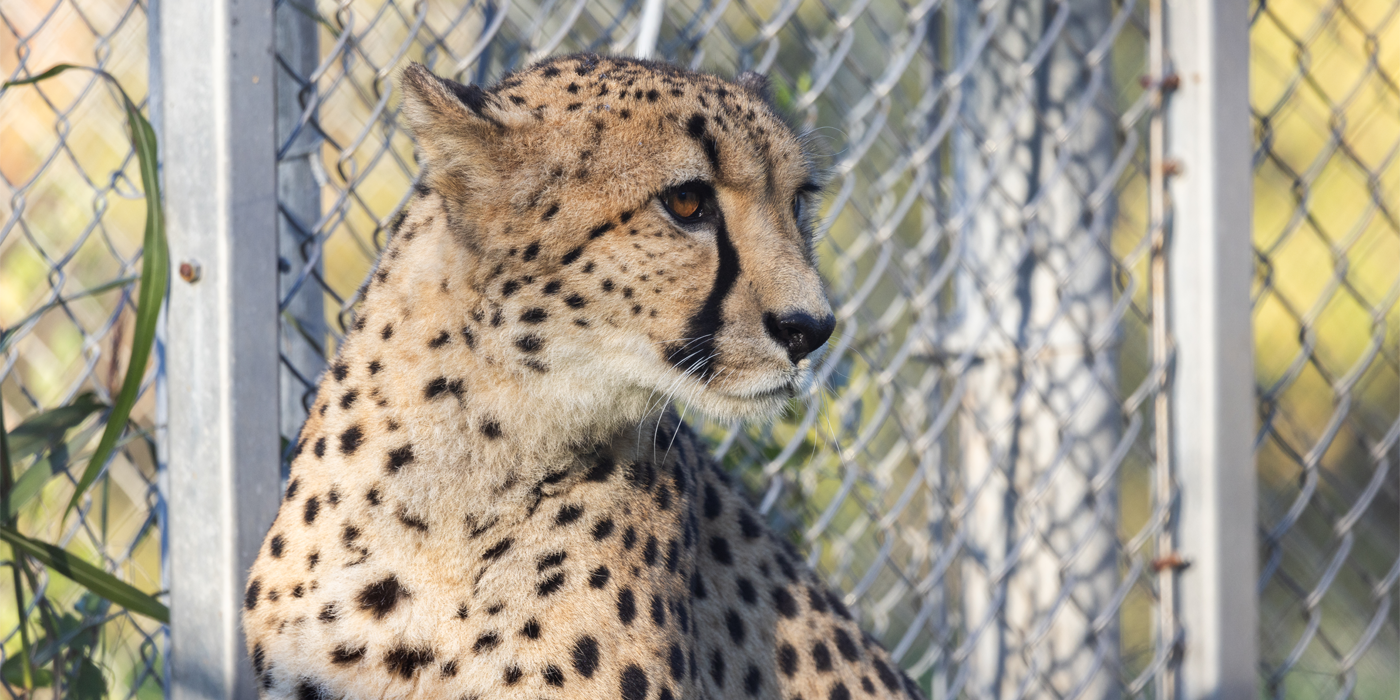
{"x": 986, "y": 473}
{"x": 1326, "y": 101}
{"x": 71, "y": 218}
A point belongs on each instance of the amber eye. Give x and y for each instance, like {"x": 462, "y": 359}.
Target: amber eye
{"x": 687, "y": 202}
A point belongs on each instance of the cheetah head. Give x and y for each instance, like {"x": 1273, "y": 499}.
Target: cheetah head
{"x": 635, "y": 225}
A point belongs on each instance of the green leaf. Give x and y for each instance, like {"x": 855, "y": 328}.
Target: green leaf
{"x": 32, "y": 482}
{"x": 89, "y": 683}
{"x": 48, "y": 74}
{"x": 87, "y": 575}
{"x": 13, "y": 671}
{"x": 8, "y": 336}
{"x": 48, "y": 428}
{"x": 155, "y": 272}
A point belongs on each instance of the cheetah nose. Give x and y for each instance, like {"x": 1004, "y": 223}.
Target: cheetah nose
{"x": 799, "y": 332}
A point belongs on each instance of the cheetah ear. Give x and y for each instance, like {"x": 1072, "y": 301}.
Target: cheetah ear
{"x": 756, "y": 83}
{"x": 447, "y": 117}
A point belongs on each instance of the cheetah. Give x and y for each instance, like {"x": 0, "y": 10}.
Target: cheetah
{"x": 492, "y": 496}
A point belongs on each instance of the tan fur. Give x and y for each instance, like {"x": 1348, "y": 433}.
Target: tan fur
{"x": 492, "y": 472}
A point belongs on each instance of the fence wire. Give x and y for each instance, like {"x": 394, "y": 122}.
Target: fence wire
{"x": 1326, "y": 101}
{"x": 71, "y": 219}
{"x": 978, "y": 474}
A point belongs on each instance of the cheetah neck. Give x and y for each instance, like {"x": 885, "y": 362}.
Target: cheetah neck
{"x": 428, "y": 368}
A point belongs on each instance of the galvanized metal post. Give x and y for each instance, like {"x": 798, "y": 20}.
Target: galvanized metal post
{"x": 1211, "y": 265}
{"x": 1040, "y": 421}
{"x": 220, "y": 176}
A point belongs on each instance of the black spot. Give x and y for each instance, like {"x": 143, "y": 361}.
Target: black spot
{"x": 381, "y": 597}
{"x": 568, "y": 514}
{"x": 406, "y": 661}
{"x": 340, "y": 371}
{"x": 629, "y": 537}
{"x": 299, "y": 591}
{"x": 575, "y": 301}
{"x": 821, "y": 656}
{"x": 735, "y": 625}
{"x": 753, "y": 680}
{"x": 747, "y": 526}
{"x": 497, "y": 550}
{"x": 250, "y": 597}
{"x": 346, "y": 655}
{"x": 320, "y": 447}
{"x": 348, "y": 399}
{"x": 719, "y": 549}
{"x": 275, "y": 546}
{"x": 600, "y": 229}
{"x": 663, "y": 498}
{"x": 677, "y": 660}
{"x": 586, "y": 656}
{"x": 658, "y": 611}
{"x": 634, "y": 683}
{"x": 412, "y": 521}
{"x": 529, "y": 343}
{"x": 550, "y": 212}
{"x": 553, "y": 676}
{"x": 469, "y": 337}
{"x": 439, "y": 340}
{"x": 495, "y": 608}
{"x": 551, "y": 560}
{"x": 887, "y": 676}
{"x": 532, "y": 251}
{"x": 496, "y": 318}
{"x": 373, "y": 497}
{"x": 712, "y": 504}
{"x": 816, "y": 600}
{"x": 311, "y": 560}
{"x": 387, "y": 333}
{"x": 649, "y": 551}
{"x": 866, "y": 685}
{"x": 839, "y": 692}
{"x": 329, "y": 613}
{"x": 653, "y": 95}
{"x": 846, "y": 645}
{"x": 400, "y": 457}
{"x": 449, "y": 669}
{"x": 602, "y": 529}
{"x": 509, "y": 287}
{"x": 292, "y": 489}
{"x": 571, "y": 256}
{"x": 486, "y": 642}
{"x": 607, "y": 285}
{"x": 374, "y": 367}
{"x": 309, "y": 690}
{"x": 550, "y": 585}
{"x": 717, "y": 669}
{"x": 491, "y": 429}
{"x": 463, "y": 611}
{"x": 349, "y": 535}
{"x": 531, "y": 629}
{"x": 350, "y": 439}
{"x": 626, "y": 606}
{"x": 625, "y": 114}
{"x": 787, "y": 659}
{"x": 313, "y": 507}
{"x": 697, "y": 586}
{"x": 785, "y": 603}
{"x": 599, "y": 577}
{"x": 672, "y": 555}
{"x": 837, "y": 605}
{"x": 535, "y": 315}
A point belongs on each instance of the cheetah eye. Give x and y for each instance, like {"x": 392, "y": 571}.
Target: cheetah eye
{"x": 689, "y": 203}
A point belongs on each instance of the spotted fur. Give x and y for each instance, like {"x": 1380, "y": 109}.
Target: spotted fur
{"x": 498, "y": 501}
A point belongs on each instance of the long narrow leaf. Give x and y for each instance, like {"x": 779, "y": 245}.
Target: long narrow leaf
{"x": 94, "y": 579}
{"x": 155, "y": 270}
{"x": 32, "y": 482}
{"x": 47, "y": 428}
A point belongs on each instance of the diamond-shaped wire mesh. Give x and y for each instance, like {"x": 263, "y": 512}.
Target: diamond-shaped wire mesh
{"x": 1326, "y": 101}
{"x": 977, "y": 473}
{"x": 71, "y": 220}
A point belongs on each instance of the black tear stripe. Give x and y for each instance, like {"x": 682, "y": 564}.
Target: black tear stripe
{"x": 709, "y": 320}
{"x": 696, "y": 128}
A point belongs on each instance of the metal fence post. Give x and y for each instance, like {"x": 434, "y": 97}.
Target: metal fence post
{"x": 1210, "y": 268}
{"x": 221, "y": 199}
{"x": 1040, "y": 422}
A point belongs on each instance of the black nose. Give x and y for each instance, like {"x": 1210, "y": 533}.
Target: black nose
{"x": 799, "y": 332}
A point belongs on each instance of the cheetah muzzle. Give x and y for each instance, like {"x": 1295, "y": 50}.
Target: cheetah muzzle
{"x": 492, "y": 497}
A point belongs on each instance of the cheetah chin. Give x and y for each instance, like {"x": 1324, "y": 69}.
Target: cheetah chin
{"x": 492, "y": 496}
